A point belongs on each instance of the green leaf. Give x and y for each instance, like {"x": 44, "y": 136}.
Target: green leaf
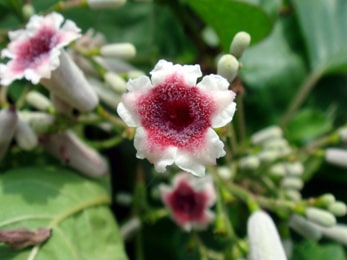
{"x": 309, "y": 250}
{"x": 229, "y": 17}
{"x": 75, "y": 208}
{"x": 308, "y": 124}
{"x": 324, "y": 28}
{"x": 272, "y": 7}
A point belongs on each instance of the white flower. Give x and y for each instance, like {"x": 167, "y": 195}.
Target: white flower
{"x": 189, "y": 200}
{"x": 174, "y": 116}
{"x": 34, "y": 51}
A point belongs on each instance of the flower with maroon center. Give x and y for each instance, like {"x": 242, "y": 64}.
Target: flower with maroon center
{"x": 189, "y": 200}
{"x": 34, "y": 51}
{"x": 174, "y": 116}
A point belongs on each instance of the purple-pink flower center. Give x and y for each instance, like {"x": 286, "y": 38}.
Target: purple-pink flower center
{"x": 32, "y": 51}
{"x": 186, "y": 203}
{"x": 176, "y": 114}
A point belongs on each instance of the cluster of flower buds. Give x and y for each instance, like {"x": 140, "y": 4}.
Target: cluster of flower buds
{"x": 320, "y": 219}
{"x": 228, "y": 64}
{"x": 272, "y": 147}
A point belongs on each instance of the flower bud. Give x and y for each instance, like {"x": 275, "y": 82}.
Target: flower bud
{"x": 69, "y": 84}
{"x": 8, "y": 124}
{"x": 240, "y": 43}
{"x": 69, "y": 149}
{"x": 225, "y": 172}
{"x": 320, "y": 217}
{"x": 123, "y": 198}
{"x": 28, "y": 10}
{"x": 25, "y": 136}
{"x": 115, "y": 82}
{"x": 38, "y": 101}
{"x": 326, "y": 199}
{"x": 304, "y": 227}
{"x": 336, "y": 156}
{"x": 105, "y": 94}
{"x": 295, "y": 168}
{"x": 337, "y": 232}
{"x": 294, "y": 195}
{"x": 228, "y": 67}
{"x": 268, "y": 155}
{"x": 105, "y": 4}
{"x": 278, "y": 169}
{"x": 40, "y": 122}
{"x": 338, "y": 208}
{"x": 249, "y": 162}
{"x": 292, "y": 183}
{"x": 118, "y": 50}
{"x": 266, "y": 134}
{"x": 60, "y": 105}
{"x": 264, "y": 240}
{"x": 343, "y": 133}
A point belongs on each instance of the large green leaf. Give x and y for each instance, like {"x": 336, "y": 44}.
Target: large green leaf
{"x": 228, "y": 17}
{"x": 309, "y": 250}
{"x": 324, "y": 28}
{"x": 74, "y": 207}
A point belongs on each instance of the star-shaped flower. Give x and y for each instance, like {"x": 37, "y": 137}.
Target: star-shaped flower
{"x": 174, "y": 116}
{"x": 189, "y": 200}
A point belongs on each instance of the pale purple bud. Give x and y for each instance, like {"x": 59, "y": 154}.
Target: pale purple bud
{"x": 264, "y": 240}
{"x": 69, "y": 149}
{"x": 8, "y": 124}
{"x": 69, "y": 84}
{"x": 25, "y": 136}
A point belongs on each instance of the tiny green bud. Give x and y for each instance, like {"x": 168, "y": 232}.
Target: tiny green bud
{"x": 294, "y": 195}
{"x": 249, "y": 162}
{"x": 266, "y": 134}
{"x": 320, "y": 216}
{"x": 325, "y": 200}
{"x": 240, "y": 43}
{"x": 28, "y": 11}
{"x": 292, "y": 183}
{"x": 338, "y": 208}
{"x": 228, "y": 67}
{"x": 304, "y": 227}
{"x": 38, "y": 100}
{"x": 118, "y": 50}
{"x": 278, "y": 169}
{"x": 105, "y": 4}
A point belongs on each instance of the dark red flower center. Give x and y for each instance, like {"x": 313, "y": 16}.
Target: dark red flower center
{"x": 33, "y": 50}
{"x": 176, "y": 114}
{"x": 186, "y": 203}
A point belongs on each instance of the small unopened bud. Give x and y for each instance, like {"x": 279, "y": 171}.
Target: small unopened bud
{"x": 336, "y": 156}
{"x": 304, "y": 227}
{"x": 343, "y": 133}
{"x": 61, "y": 106}
{"x": 118, "y": 50}
{"x": 25, "y": 136}
{"x": 338, "y": 208}
{"x": 240, "y": 43}
{"x": 106, "y": 95}
{"x": 320, "y": 217}
{"x": 326, "y": 199}
{"x": 68, "y": 148}
{"x": 338, "y": 233}
{"x": 123, "y": 198}
{"x": 295, "y": 168}
{"x": 105, "y": 4}
{"x": 38, "y": 100}
{"x": 225, "y": 172}
{"x": 39, "y": 121}
{"x": 293, "y": 194}
{"x": 249, "y": 162}
{"x": 266, "y": 134}
{"x": 264, "y": 240}
{"x": 28, "y": 11}
{"x": 8, "y": 124}
{"x": 278, "y": 169}
{"x": 292, "y": 183}
{"x": 268, "y": 155}
{"x": 228, "y": 67}
{"x": 69, "y": 84}
{"x": 129, "y": 228}
{"x": 116, "y": 82}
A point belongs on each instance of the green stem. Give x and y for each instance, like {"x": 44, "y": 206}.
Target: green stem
{"x": 106, "y": 144}
{"x": 300, "y": 97}
{"x": 240, "y": 119}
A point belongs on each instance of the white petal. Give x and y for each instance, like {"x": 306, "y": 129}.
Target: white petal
{"x": 225, "y": 112}
{"x": 189, "y": 163}
{"x": 157, "y": 155}
{"x": 213, "y": 82}
{"x": 163, "y": 69}
{"x": 141, "y": 83}
{"x": 128, "y": 116}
